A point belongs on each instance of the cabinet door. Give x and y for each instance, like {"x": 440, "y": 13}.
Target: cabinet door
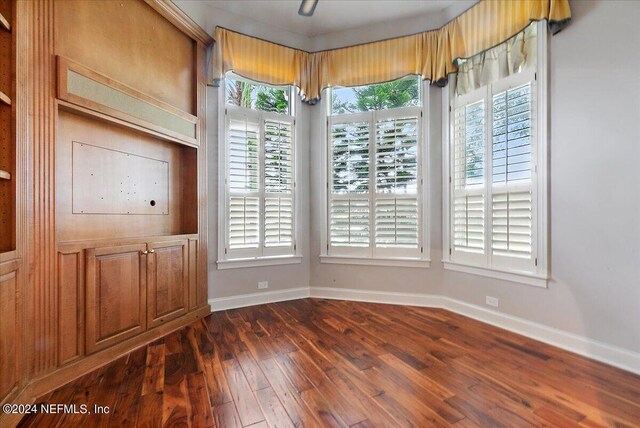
{"x": 116, "y": 294}
{"x": 8, "y": 328}
{"x": 168, "y": 280}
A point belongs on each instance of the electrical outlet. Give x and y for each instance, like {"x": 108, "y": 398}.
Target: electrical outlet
{"x": 492, "y": 301}
{"x": 263, "y": 284}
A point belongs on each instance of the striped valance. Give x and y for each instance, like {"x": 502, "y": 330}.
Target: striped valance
{"x": 431, "y": 54}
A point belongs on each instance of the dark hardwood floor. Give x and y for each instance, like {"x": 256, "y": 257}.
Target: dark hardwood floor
{"x": 324, "y": 363}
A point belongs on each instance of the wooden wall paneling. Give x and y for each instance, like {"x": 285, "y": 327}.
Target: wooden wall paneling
{"x": 9, "y": 328}
{"x": 37, "y": 23}
{"x": 71, "y": 305}
{"x": 188, "y": 184}
{"x": 167, "y": 281}
{"x": 201, "y": 96}
{"x": 132, "y": 44}
{"x": 22, "y": 183}
{"x": 193, "y": 273}
{"x": 116, "y": 280}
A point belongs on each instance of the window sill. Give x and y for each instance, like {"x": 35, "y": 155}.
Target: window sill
{"x": 258, "y": 261}
{"x": 368, "y": 261}
{"x": 519, "y": 277}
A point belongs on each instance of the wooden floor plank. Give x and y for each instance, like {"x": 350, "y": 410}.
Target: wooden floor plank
{"x": 328, "y": 363}
{"x": 246, "y": 403}
{"x": 273, "y": 410}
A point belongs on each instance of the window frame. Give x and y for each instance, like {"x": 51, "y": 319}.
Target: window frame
{"x": 263, "y": 255}
{"x": 538, "y": 274}
{"x": 371, "y": 255}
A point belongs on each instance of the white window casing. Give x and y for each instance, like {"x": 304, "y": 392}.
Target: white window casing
{"x": 257, "y": 188}
{"x": 376, "y": 204}
{"x": 495, "y": 177}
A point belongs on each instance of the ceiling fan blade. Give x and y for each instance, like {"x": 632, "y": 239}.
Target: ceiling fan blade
{"x": 307, "y": 7}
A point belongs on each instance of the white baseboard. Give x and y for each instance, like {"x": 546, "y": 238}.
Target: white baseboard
{"x": 612, "y": 355}
{"x": 426, "y": 300}
{"x": 609, "y": 354}
{"x": 223, "y": 303}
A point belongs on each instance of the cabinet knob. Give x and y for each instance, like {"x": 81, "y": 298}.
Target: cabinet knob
{"x": 152, "y": 251}
{"x": 144, "y": 252}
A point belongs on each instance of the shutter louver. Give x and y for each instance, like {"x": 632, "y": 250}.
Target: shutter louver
{"x": 278, "y": 221}
{"x": 397, "y": 155}
{"x": 243, "y": 142}
{"x": 468, "y": 170}
{"x": 512, "y": 135}
{"x": 243, "y": 222}
{"x": 468, "y": 223}
{"x": 397, "y": 222}
{"x": 350, "y": 157}
{"x": 349, "y": 222}
{"x": 512, "y": 222}
{"x": 278, "y": 153}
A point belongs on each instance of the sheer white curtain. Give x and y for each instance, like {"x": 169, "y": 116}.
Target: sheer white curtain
{"x": 510, "y": 57}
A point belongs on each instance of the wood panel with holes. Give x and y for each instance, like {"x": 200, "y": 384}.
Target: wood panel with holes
{"x": 7, "y": 130}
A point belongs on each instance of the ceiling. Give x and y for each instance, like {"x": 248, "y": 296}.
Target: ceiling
{"x": 330, "y": 15}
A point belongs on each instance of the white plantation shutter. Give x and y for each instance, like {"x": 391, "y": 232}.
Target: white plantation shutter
{"x": 397, "y": 222}
{"x": 243, "y": 139}
{"x": 493, "y": 198}
{"x": 397, "y": 219}
{"x": 512, "y": 191}
{"x": 278, "y": 222}
{"x": 468, "y": 178}
{"x": 349, "y": 222}
{"x": 260, "y": 184}
{"x": 244, "y": 222}
{"x": 348, "y": 210}
{"x": 243, "y": 203}
{"x": 374, "y": 205}
{"x": 468, "y": 223}
{"x": 278, "y": 187}
{"x": 278, "y": 154}
{"x": 397, "y": 155}
{"x": 350, "y": 158}
{"x": 511, "y": 224}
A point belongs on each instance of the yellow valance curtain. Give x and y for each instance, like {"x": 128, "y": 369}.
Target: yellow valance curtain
{"x": 431, "y": 54}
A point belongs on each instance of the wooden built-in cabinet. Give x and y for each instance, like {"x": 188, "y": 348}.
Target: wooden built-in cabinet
{"x": 103, "y": 185}
{"x": 116, "y": 294}
{"x": 135, "y": 287}
{"x": 167, "y": 281}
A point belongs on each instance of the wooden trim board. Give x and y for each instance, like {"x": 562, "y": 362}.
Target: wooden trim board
{"x": 66, "y": 66}
{"x": 180, "y": 20}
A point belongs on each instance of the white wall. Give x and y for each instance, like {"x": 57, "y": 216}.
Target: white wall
{"x": 594, "y": 185}
{"x": 594, "y": 193}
